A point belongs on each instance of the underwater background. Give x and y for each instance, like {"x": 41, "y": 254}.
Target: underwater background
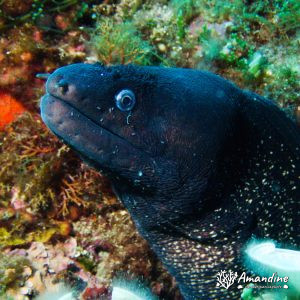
{"x": 61, "y": 228}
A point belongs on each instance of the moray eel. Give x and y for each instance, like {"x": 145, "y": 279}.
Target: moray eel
{"x": 201, "y": 165}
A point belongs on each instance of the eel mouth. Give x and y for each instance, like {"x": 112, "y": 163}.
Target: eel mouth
{"x": 94, "y": 142}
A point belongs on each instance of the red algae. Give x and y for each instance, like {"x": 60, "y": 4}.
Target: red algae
{"x": 10, "y": 109}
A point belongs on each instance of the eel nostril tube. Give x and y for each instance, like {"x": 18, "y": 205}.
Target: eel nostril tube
{"x": 42, "y": 75}
{"x": 63, "y": 86}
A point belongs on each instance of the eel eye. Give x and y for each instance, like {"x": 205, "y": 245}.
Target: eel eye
{"x": 125, "y": 100}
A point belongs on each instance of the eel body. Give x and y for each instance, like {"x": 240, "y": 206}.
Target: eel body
{"x": 201, "y": 165}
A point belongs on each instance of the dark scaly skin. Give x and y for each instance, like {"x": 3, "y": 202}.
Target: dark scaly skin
{"x": 201, "y": 165}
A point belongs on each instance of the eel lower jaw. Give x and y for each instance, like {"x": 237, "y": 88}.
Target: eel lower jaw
{"x": 97, "y": 144}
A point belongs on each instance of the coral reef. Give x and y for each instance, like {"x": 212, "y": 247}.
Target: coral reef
{"x": 59, "y": 212}
{"x": 41, "y": 177}
{"x": 12, "y": 269}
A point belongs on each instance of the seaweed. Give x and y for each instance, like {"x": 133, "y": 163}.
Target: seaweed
{"x": 186, "y": 9}
{"x": 120, "y": 43}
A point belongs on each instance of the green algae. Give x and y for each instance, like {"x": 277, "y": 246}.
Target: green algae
{"x": 244, "y": 51}
{"x": 239, "y": 52}
{"x": 120, "y": 43}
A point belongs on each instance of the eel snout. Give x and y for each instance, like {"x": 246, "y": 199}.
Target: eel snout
{"x": 62, "y": 87}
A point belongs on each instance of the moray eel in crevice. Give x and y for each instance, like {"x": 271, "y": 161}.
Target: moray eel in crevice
{"x": 201, "y": 165}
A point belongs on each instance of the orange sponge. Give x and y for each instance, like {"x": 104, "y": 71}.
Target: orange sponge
{"x": 10, "y": 108}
